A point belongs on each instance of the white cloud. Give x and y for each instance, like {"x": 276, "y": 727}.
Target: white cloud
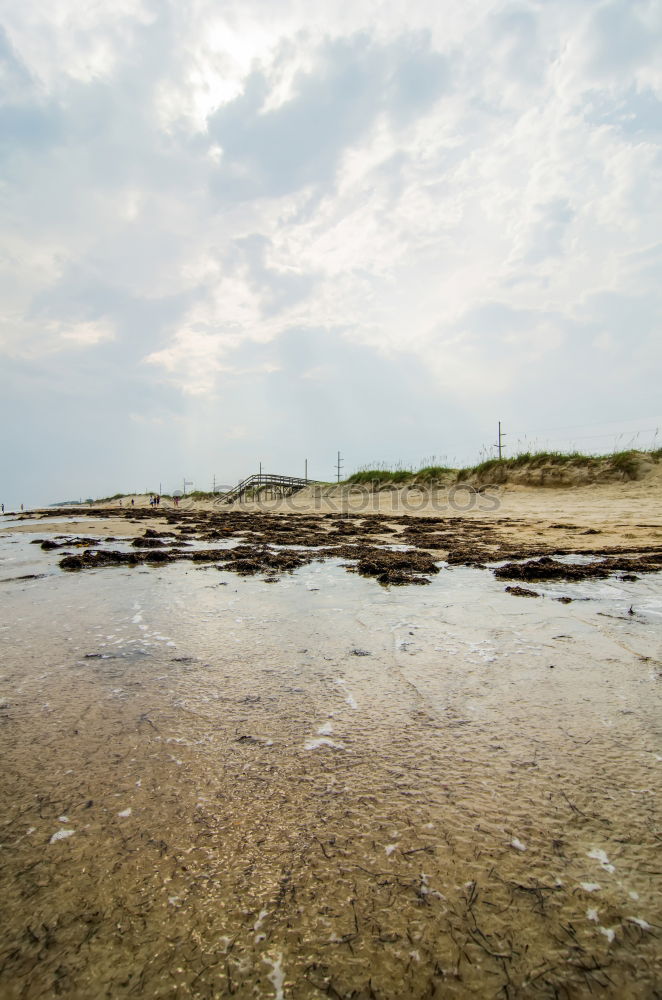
{"x": 87, "y": 334}
{"x": 469, "y": 187}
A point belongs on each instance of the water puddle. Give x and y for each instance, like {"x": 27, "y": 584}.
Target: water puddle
{"x": 212, "y": 786}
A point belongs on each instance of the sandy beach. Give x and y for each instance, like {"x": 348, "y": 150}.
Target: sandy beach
{"x": 324, "y": 787}
{"x": 331, "y": 500}
{"x": 624, "y": 513}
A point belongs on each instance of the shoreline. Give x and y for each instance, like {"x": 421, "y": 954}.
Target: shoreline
{"x": 623, "y": 513}
{"x": 536, "y": 533}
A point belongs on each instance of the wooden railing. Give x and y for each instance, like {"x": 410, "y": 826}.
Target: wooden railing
{"x": 281, "y": 486}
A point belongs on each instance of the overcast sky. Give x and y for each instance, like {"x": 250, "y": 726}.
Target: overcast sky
{"x": 250, "y": 231}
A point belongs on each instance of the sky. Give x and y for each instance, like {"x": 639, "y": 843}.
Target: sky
{"x": 265, "y": 231}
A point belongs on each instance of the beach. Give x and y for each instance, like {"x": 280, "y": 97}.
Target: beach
{"x": 316, "y": 747}
{"x": 330, "y": 501}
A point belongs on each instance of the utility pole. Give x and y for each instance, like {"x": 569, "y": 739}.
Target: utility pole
{"x": 339, "y": 465}
{"x": 306, "y": 472}
{"x": 499, "y": 443}
{"x": 260, "y": 470}
{"x": 187, "y": 482}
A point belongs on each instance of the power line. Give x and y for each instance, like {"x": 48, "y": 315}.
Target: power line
{"x": 570, "y": 427}
{"x": 589, "y": 437}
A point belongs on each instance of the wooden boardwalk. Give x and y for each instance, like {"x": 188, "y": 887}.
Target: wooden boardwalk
{"x": 265, "y": 482}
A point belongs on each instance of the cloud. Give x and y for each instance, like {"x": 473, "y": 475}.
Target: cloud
{"x": 441, "y": 205}
{"x": 269, "y": 152}
{"x": 86, "y": 334}
{"x": 278, "y": 288}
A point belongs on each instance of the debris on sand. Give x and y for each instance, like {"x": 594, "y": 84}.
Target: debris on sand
{"x": 548, "y": 568}
{"x": 250, "y": 559}
{"x": 92, "y": 558}
{"x": 61, "y": 835}
{"x": 521, "y": 592}
{"x": 390, "y": 567}
{"x": 275, "y": 544}
{"x": 48, "y": 543}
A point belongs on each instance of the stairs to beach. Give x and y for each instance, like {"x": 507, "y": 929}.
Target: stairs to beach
{"x": 265, "y": 482}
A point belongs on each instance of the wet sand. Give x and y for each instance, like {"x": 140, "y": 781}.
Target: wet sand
{"x": 327, "y": 787}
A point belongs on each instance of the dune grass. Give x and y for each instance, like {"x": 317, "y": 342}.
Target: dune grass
{"x": 401, "y": 477}
{"x": 379, "y": 476}
{"x": 625, "y": 462}
{"x": 124, "y": 496}
{"x": 433, "y": 472}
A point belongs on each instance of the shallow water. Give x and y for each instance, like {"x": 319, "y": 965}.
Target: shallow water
{"x": 212, "y": 786}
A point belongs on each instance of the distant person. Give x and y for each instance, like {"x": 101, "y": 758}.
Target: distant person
{"x": 3, "y": 508}
{"x": 132, "y": 502}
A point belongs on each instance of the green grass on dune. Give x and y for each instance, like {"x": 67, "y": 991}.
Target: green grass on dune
{"x": 429, "y": 474}
{"x": 625, "y": 462}
{"x": 380, "y": 476}
{"x": 628, "y": 463}
{"x": 433, "y": 472}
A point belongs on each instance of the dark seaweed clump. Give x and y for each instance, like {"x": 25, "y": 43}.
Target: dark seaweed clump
{"x": 93, "y": 558}
{"x": 273, "y": 544}
{"x": 521, "y": 592}
{"x": 68, "y": 543}
{"x": 398, "y": 568}
{"x": 547, "y": 568}
{"x": 250, "y": 559}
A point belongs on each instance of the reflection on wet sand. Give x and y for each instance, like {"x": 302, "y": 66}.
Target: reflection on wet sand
{"x": 213, "y": 788}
